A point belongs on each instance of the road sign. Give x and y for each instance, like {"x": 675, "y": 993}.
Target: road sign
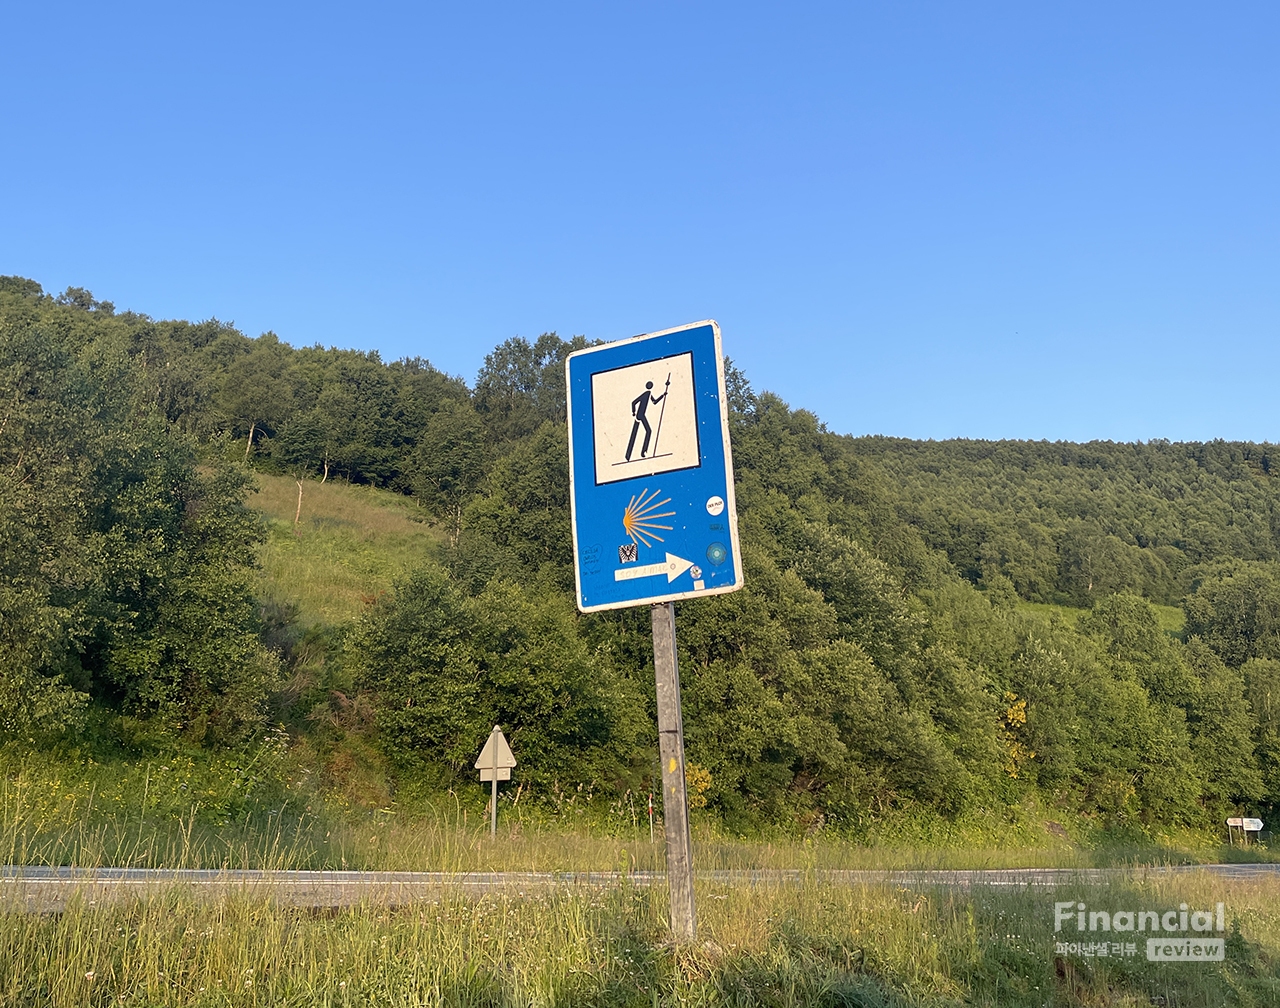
{"x": 650, "y": 471}
{"x": 1252, "y": 825}
{"x": 651, "y": 494}
{"x": 494, "y": 763}
{"x": 496, "y": 759}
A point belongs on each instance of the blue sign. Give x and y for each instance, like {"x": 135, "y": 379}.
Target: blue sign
{"x": 650, "y": 474}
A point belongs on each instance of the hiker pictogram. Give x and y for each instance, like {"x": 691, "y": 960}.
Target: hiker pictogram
{"x": 639, "y": 409}
{"x": 644, "y": 421}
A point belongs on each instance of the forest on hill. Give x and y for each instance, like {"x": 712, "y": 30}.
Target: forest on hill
{"x": 947, "y": 626}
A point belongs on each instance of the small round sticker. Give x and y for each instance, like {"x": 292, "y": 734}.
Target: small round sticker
{"x": 717, "y": 553}
{"x": 715, "y": 505}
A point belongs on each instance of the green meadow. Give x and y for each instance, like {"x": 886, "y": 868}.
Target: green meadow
{"x": 797, "y": 945}
{"x": 808, "y": 942}
{"x": 346, "y": 549}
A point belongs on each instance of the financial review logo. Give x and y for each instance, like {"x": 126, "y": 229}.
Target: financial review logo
{"x": 1181, "y": 935}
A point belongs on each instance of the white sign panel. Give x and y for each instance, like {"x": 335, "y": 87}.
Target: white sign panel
{"x": 644, "y": 419}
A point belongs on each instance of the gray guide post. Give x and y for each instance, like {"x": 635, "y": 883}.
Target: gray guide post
{"x": 675, "y": 799}
{"x": 495, "y": 763}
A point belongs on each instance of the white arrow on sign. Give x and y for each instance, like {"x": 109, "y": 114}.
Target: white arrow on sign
{"x": 672, "y": 567}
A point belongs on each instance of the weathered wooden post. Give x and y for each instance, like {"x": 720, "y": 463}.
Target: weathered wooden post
{"x": 675, "y": 798}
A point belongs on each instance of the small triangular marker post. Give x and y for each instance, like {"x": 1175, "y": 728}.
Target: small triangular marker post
{"x": 495, "y": 763}
{"x": 496, "y": 754}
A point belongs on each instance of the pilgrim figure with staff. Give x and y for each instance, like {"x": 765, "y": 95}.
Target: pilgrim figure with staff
{"x": 639, "y": 408}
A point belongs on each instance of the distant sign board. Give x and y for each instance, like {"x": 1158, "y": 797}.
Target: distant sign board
{"x": 650, "y": 471}
{"x": 1244, "y": 823}
{"x": 495, "y": 760}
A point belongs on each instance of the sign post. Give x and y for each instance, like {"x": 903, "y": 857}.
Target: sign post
{"x": 654, "y": 522}
{"x": 495, "y": 763}
{"x": 675, "y": 796}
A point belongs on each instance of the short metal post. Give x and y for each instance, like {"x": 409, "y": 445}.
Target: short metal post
{"x": 493, "y": 807}
{"x": 675, "y": 799}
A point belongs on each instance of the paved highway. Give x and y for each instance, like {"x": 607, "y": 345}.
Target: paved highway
{"x": 45, "y": 889}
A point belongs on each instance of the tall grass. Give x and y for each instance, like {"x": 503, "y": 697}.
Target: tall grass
{"x": 808, "y": 942}
{"x": 258, "y": 810}
{"x": 349, "y": 545}
{"x": 804, "y": 945}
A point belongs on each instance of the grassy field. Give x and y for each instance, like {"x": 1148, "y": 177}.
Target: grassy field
{"x": 350, "y": 542}
{"x": 347, "y": 547}
{"x": 781, "y": 945}
{"x": 260, "y": 810}
{"x": 803, "y": 945}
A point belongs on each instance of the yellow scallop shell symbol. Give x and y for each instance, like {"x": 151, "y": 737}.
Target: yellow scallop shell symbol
{"x": 638, "y": 517}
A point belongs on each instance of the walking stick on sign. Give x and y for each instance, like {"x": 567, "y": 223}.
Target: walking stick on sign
{"x": 663, "y": 412}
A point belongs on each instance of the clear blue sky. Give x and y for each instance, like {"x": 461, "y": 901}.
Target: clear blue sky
{"x": 932, "y": 220}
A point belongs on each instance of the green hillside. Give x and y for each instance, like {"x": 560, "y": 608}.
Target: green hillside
{"x": 932, "y": 632}
{"x": 1170, "y": 619}
{"x": 346, "y": 549}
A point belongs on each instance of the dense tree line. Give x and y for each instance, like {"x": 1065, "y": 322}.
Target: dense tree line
{"x": 1072, "y": 523}
{"x": 126, "y": 551}
{"x": 882, "y": 656}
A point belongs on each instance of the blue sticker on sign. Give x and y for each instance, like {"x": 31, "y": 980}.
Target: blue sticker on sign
{"x": 650, "y": 470}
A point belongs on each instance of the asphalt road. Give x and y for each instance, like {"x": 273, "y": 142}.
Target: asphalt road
{"x": 44, "y": 889}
